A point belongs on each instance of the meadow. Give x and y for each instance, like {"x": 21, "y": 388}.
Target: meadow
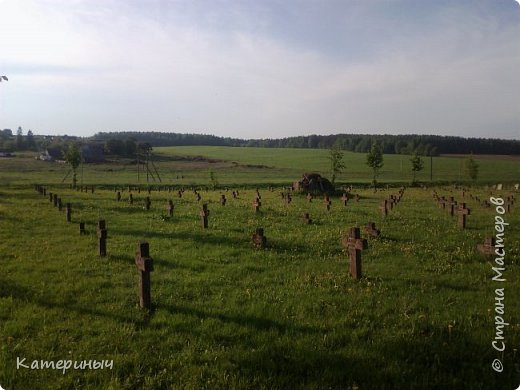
{"x": 228, "y": 315}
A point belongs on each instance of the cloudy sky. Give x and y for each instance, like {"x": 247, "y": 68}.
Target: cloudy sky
{"x": 261, "y": 68}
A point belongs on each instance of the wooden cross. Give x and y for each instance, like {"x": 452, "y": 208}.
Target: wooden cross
{"x": 384, "y": 207}
{"x": 147, "y": 203}
{"x": 357, "y": 197}
{"x": 371, "y": 230}
{"x": 130, "y": 199}
{"x": 179, "y": 194}
{"x": 60, "y": 206}
{"x": 258, "y": 194}
{"x": 488, "y": 248}
{"x": 327, "y": 202}
{"x": 204, "y": 213}
{"x": 102, "y": 238}
{"x": 463, "y": 211}
{"x": 288, "y": 199}
{"x": 170, "y": 208}
{"x": 197, "y": 196}
{"x": 68, "y": 211}
{"x": 259, "y": 240}
{"x": 144, "y": 264}
{"x": 309, "y": 197}
{"x": 442, "y": 202}
{"x": 257, "y": 204}
{"x": 345, "y": 198}
{"x": 307, "y": 218}
{"x": 355, "y": 244}
{"x": 234, "y": 194}
{"x": 223, "y": 200}
{"x": 451, "y": 206}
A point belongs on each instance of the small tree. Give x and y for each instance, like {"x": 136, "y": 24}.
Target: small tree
{"x": 417, "y": 165}
{"x": 73, "y": 157}
{"x": 471, "y": 168}
{"x": 375, "y": 161}
{"x": 336, "y": 162}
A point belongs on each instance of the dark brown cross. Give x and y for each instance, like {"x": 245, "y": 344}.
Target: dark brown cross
{"x": 451, "y": 205}
{"x": 371, "y": 230}
{"x": 258, "y": 194}
{"x": 179, "y": 194}
{"x": 282, "y": 194}
{"x": 384, "y": 207}
{"x": 234, "y": 194}
{"x": 68, "y": 211}
{"x": 102, "y": 238}
{"x": 223, "y": 200}
{"x": 170, "y": 208}
{"x": 463, "y": 211}
{"x": 147, "y": 203}
{"x": 327, "y": 202}
{"x": 309, "y": 197}
{"x": 144, "y": 264}
{"x": 82, "y": 230}
{"x": 488, "y": 248}
{"x": 130, "y": 199}
{"x": 307, "y": 218}
{"x": 355, "y": 244}
{"x": 257, "y": 204}
{"x": 288, "y": 199}
{"x": 204, "y": 213}
{"x": 259, "y": 240}
{"x": 60, "y": 206}
{"x": 345, "y": 199}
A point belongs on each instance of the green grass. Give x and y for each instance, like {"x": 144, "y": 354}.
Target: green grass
{"x": 227, "y": 315}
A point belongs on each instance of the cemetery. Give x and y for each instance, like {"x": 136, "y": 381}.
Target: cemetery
{"x": 255, "y": 286}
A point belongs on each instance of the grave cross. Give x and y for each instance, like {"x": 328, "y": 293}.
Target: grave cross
{"x": 68, "y": 211}
{"x": 144, "y": 264}
{"x": 50, "y": 197}
{"x": 55, "y": 200}
{"x": 82, "y": 230}
{"x": 451, "y": 206}
{"x": 355, "y": 244}
{"x": 488, "y": 248}
{"x": 147, "y": 203}
{"x": 170, "y": 208}
{"x": 463, "y": 211}
{"x": 257, "y": 204}
{"x": 59, "y": 204}
{"x": 118, "y": 196}
{"x": 130, "y": 199}
{"x": 345, "y": 198}
{"x": 204, "y": 213}
{"x": 223, "y": 200}
{"x": 259, "y": 240}
{"x": 309, "y": 197}
{"x": 288, "y": 198}
{"x": 371, "y": 230}
{"x": 307, "y": 218}
{"x": 327, "y": 202}
{"x": 384, "y": 207}
{"x": 102, "y": 238}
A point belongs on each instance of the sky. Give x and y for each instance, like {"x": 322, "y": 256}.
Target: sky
{"x": 261, "y": 68}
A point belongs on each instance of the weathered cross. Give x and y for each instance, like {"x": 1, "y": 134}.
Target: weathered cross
{"x": 371, "y": 230}
{"x": 463, "y": 211}
{"x": 259, "y": 240}
{"x": 102, "y": 238}
{"x": 327, "y": 202}
{"x": 204, "y": 213}
{"x": 144, "y": 264}
{"x": 345, "y": 198}
{"x": 307, "y": 218}
{"x": 147, "y": 203}
{"x": 257, "y": 204}
{"x": 223, "y": 200}
{"x": 488, "y": 248}
{"x": 355, "y": 244}
{"x": 384, "y": 207}
{"x": 309, "y": 197}
{"x": 68, "y": 211}
{"x": 170, "y": 208}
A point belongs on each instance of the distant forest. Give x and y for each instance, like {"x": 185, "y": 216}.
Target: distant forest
{"x": 392, "y": 144}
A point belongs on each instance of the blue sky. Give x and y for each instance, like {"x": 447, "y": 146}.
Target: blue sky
{"x": 258, "y": 69}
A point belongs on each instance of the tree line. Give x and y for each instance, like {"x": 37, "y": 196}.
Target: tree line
{"x": 426, "y": 145}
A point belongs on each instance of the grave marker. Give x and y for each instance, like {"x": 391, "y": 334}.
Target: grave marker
{"x": 307, "y": 218}
{"x": 130, "y": 199}
{"x": 82, "y": 230}
{"x": 488, "y": 248}
{"x": 147, "y": 203}
{"x": 170, "y": 208}
{"x": 204, "y": 213}
{"x": 102, "y": 238}
{"x": 259, "y": 240}
{"x": 257, "y": 204}
{"x": 68, "y": 212}
{"x": 344, "y": 198}
{"x": 355, "y": 244}
{"x": 384, "y": 207}
{"x": 371, "y": 230}
{"x": 144, "y": 264}
{"x": 309, "y": 197}
{"x": 327, "y": 202}
{"x": 463, "y": 211}
{"x": 223, "y": 200}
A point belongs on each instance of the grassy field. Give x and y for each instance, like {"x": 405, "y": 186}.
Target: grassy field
{"x": 227, "y": 315}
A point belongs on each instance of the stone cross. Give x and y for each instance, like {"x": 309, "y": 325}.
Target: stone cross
{"x": 204, "y": 213}
{"x": 371, "y": 230}
{"x": 488, "y": 248}
{"x": 259, "y": 240}
{"x": 451, "y": 206}
{"x": 355, "y": 244}
{"x": 309, "y": 197}
{"x": 463, "y": 211}
{"x": 257, "y": 204}
{"x": 144, "y": 264}
{"x": 147, "y": 203}
{"x": 344, "y": 198}
{"x": 327, "y": 202}
{"x": 170, "y": 208}
{"x": 307, "y": 218}
{"x": 68, "y": 211}
{"x": 223, "y": 200}
{"x": 102, "y": 238}
{"x": 384, "y": 207}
